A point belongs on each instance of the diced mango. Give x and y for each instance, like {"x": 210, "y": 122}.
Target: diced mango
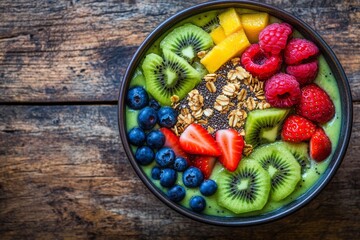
{"x": 230, "y": 21}
{"x": 230, "y": 47}
{"x": 218, "y": 34}
{"x": 253, "y": 23}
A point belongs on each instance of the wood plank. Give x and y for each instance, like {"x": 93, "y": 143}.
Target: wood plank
{"x": 64, "y": 173}
{"x": 78, "y": 51}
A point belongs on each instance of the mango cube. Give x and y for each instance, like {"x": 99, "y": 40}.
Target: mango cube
{"x": 253, "y": 24}
{"x": 230, "y": 21}
{"x": 218, "y": 34}
{"x": 230, "y": 47}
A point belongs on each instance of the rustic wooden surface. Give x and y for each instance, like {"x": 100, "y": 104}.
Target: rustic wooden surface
{"x": 63, "y": 171}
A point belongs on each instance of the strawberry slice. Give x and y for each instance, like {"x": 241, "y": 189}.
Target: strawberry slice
{"x": 204, "y": 163}
{"x": 231, "y": 145}
{"x": 172, "y": 141}
{"x": 196, "y": 140}
{"x": 320, "y": 145}
{"x": 297, "y": 129}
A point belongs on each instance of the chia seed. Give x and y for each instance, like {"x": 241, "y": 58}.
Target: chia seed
{"x": 218, "y": 120}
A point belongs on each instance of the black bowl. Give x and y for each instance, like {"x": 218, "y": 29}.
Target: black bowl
{"x": 346, "y": 109}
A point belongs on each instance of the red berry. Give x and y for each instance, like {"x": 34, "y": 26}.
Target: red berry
{"x": 298, "y": 50}
{"x": 315, "y": 104}
{"x": 297, "y": 129}
{"x": 304, "y": 73}
{"x": 320, "y": 145}
{"x": 197, "y": 140}
{"x": 172, "y": 141}
{"x": 231, "y": 145}
{"x": 282, "y": 90}
{"x": 259, "y": 64}
{"x": 273, "y": 38}
{"x": 204, "y": 163}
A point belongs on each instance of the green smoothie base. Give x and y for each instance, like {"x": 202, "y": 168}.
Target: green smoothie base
{"x": 325, "y": 80}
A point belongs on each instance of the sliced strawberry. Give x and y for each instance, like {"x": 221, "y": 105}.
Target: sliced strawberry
{"x": 320, "y": 145}
{"x": 231, "y": 145}
{"x": 196, "y": 140}
{"x": 172, "y": 141}
{"x": 297, "y": 129}
{"x": 204, "y": 163}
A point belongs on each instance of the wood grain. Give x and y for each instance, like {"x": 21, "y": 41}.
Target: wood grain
{"x": 63, "y": 171}
{"x": 78, "y": 51}
{"x": 64, "y": 174}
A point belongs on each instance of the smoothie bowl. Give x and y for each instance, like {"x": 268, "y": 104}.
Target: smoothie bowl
{"x": 235, "y": 113}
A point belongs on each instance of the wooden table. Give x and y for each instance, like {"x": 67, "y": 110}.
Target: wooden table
{"x": 63, "y": 171}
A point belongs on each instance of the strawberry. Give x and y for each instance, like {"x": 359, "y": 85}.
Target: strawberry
{"x": 204, "y": 163}
{"x": 172, "y": 141}
{"x": 196, "y": 140}
{"x": 320, "y": 145}
{"x": 315, "y": 104}
{"x": 297, "y": 129}
{"x": 231, "y": 145}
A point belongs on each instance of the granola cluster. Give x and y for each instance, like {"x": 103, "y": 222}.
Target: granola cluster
{"x": 222, "y": 100}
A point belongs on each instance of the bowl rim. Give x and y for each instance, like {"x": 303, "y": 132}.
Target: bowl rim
{"x": 309, "y": 33}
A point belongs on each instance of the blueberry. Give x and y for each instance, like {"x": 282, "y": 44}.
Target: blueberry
{"x": 154, "y": 104}
{"x": 208, "y": 187}
{"x": 192, "y": 177}
{"x": 155, "y": 139}
{"x": 147, "y": 118}
{"x": 176, "y": 193}
{"x": 168, "y": 177}
{"x": 180, "y": 164}
{"x": 197, "y": 203}
{"x": 167, "y": 117}
{"x": 136, "y": 136}
{"x": 137, "y": 98}
{"x": 165, "y": 157}
{"x": 144, "y": 155}
{"x": 155, "y": 173}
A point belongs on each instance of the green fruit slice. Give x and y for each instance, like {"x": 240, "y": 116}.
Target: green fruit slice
{"x": 186, "y": 41}
{"x": 284, "y": 170}
{"x": 168, "y": 76}
{"x": 244, "y": 190}
{"x": 262, "y": 126}
{"x": 299, "y": 151}
{"x": 207, "y": 21}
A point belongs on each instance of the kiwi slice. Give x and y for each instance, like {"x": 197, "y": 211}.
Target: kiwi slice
{"x": 262, "y": 126}
{"x": 299, "y": 151}
{"x": 168, "y": 76}
{"x": 284, "y": 170}
{"x": 244, "y": 190}
{"x": 207, "y": 21}
{"x": 186, "y": 41}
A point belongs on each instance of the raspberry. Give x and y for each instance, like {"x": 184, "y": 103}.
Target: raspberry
{"x": 259, "y": 64}
{"x": 304, "y": 73}
{"x": 282, "y": 90}
{"x": 274, "y": 37}
{"x": 315, "y": 104}
{"x": 298, "y": 50}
